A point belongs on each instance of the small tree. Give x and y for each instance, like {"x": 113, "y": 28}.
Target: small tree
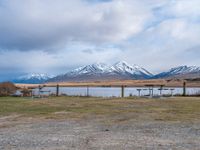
{"x": 7, "y": 89}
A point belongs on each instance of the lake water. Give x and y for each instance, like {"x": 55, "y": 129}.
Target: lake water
{"x": 115, "y": 91}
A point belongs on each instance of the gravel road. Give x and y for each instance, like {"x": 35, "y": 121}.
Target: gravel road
{"x": 92, "y": 134}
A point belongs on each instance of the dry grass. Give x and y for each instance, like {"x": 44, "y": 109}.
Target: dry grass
{"x": 119, "y": 110}
{"x": 118, "y": 83}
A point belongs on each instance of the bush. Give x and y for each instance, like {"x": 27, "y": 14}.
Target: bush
{"x": 7, "y": 89}
{"x": 26, "y": 92}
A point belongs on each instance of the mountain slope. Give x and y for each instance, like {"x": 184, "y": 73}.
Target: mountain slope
{"x": 100, "y": 71}
{"x": 34, "y": 78}
{"x": 180, "y": 72}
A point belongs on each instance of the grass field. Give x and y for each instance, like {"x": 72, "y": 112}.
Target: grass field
{"x": 166, "y": 109}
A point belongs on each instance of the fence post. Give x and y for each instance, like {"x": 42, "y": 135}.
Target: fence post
{"x": 87, "y": 91}
{"x": 122, "y": 91}
{"x": 184, "y": 88}
{"x": 39, "y": 91}
{"x": 57, "y": 90}
{"x": 152, "y": 92}
{"x": 139, "y": 90}
{"x": 161, "y": 88}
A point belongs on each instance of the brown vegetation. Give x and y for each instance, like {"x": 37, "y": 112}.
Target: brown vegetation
{"x": 7, "y": 88}
{"x": 26, "y": 92}
{"x": 118, "y": 83}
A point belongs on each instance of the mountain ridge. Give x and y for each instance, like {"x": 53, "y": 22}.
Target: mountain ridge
{"x": 118, "y": 71}
{"x": 101, "y": 71}
{"x": 179, "y": 72}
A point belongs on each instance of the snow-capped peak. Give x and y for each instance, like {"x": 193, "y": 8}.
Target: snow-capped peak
{"x": 39, "y": 76}
{"x": 184, "y": 69}
{"x": 181, "y": 70}
{"x": 93, "y": 68}
{"x": 124, "y": 67}
{"x": 99, "y": 66}
{"x": 121, "y": 63}
{"x": 32, "y": 78}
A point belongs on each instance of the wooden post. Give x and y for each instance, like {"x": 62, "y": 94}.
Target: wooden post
{"x": 87, "y": 91}
{"x": 32, "y": 93}
{"x": 184, "y": 88}
{"x": 172, "y": 92}
{"x": 149, "y": 91}
{"x": 152, "y": 91}
{"x": 122, "y": 91}
{"x": 139, "y": 90}
{"x": 161, "y": 88}
{"x": 39, "y": 91}
{"x": 57, "y": 90}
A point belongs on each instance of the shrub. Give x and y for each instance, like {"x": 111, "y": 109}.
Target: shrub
{"x": 7, "y": 89}
{"x": 26, "y": 92}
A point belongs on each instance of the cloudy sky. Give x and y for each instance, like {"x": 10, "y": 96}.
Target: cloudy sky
{"x": 54, "y": 36}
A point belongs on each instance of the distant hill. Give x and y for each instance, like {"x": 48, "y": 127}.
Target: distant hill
{"x": 100, "y": 71}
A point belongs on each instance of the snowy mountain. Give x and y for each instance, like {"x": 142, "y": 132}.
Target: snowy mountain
{"x": 91, "y": 69}
{"x": 181, "y": 72}
{"x": 34, "y": 78}
{"x": 101, "y": 71}
{"x": 123, "y": 67}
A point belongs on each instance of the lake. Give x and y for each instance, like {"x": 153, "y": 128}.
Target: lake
{"x": 115, "y": 91}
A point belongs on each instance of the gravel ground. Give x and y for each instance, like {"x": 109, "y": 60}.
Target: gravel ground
{"x": 95, "y": 135}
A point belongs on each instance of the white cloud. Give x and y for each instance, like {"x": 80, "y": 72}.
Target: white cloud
{"x": 184, "y": 8}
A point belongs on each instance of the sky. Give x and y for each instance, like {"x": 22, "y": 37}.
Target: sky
{"x": 48, "y": 36}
